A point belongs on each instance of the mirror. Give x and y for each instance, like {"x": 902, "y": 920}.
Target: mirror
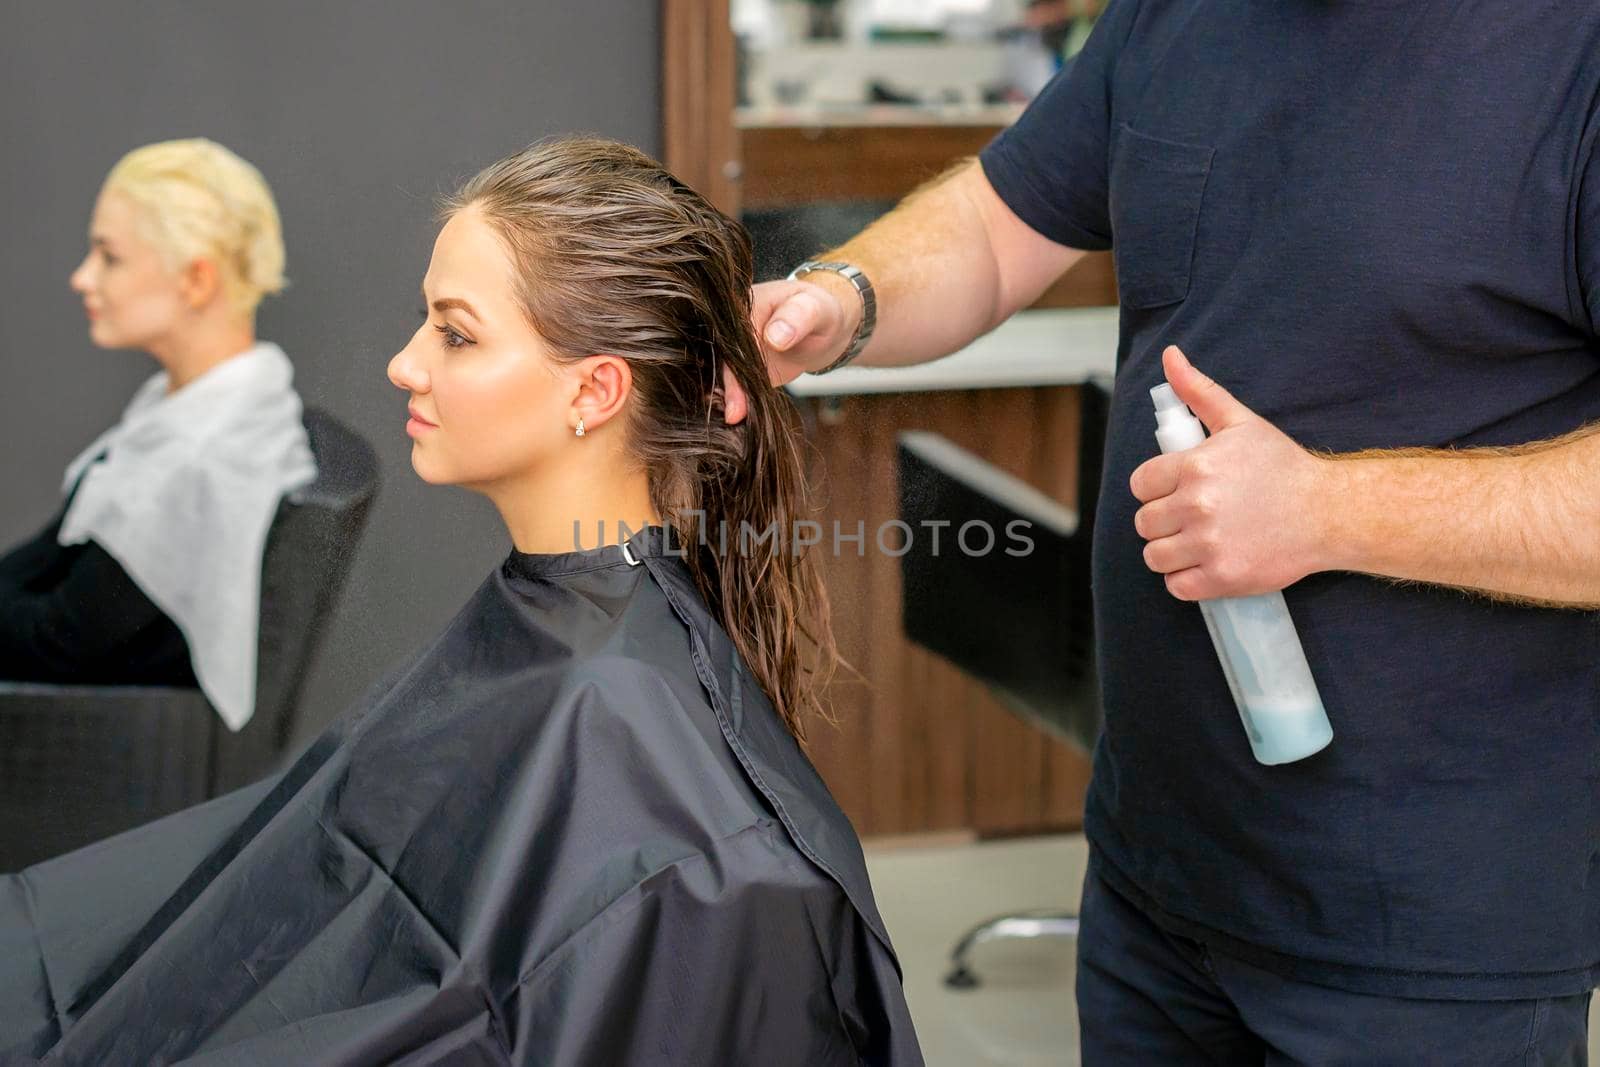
{"x": 843, "y": 107}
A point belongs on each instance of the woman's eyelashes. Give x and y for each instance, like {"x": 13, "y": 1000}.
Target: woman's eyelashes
{"x": 448, "y": 336}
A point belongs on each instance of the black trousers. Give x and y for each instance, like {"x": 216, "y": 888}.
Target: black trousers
{"x": 1149, "y": 997}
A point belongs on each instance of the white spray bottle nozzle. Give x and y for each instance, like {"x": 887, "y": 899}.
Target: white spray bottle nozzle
{"x": 1176, "y": 426}
{"x": 1165, "y": 397}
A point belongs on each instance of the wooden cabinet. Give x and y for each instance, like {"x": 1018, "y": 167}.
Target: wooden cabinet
{"x": 920, "y": 746}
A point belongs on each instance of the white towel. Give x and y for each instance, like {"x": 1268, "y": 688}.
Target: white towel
{"x": 183, "y": 496}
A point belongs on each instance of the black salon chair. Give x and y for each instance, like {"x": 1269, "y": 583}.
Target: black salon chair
{"x": 79, "y": 763}
{"x": 1022, "y": 624}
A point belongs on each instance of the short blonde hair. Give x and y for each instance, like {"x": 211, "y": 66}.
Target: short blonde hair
{"x": 198, "y": 199}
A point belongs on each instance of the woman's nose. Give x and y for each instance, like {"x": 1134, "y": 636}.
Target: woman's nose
{"x": 405, "y": 372}
{"x": 79, "y": 278}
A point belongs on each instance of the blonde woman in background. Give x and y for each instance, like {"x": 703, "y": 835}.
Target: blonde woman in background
{"x": 150, "y": 574}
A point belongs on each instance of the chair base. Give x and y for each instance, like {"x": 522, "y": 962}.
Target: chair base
{"x": 1018, "y": 926}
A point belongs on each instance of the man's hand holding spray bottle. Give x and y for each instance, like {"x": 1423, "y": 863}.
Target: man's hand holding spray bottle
{"x": 1254, "y": 636}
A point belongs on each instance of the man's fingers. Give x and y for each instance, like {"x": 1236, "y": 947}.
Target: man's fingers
{"x": 1187, "y": 584}
{"x": 735, "y": 405}
{"x": 1170, "y": 554}
{"x": 1156, "y": 477}
{"x": 767, "y": 298}
{"x": 1155, "y": 520}
{"x": 791, "y": 321}
{"x": 796, "y": 324}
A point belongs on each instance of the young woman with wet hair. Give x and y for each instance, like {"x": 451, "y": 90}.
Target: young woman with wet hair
{"x": 579, "y": 827}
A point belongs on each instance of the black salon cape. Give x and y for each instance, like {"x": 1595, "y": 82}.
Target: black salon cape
{"x": 573, "y": 831}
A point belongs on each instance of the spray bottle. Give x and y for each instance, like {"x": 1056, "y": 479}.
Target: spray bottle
{"x": 1255, "y": 638}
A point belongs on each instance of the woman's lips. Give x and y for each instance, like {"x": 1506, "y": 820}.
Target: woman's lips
{"x": 417, "y": 424}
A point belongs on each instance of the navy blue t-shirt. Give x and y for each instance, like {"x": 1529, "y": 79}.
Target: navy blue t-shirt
{"x": 1377, "y": 223}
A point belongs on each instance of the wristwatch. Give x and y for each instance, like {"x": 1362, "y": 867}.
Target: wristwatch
{"x": 869, "y": 306}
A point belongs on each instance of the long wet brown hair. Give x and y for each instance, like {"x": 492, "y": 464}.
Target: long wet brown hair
{"x": 614, "y": 255}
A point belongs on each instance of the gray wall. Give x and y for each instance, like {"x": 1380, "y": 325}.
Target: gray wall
{"x": 359, "y": 114}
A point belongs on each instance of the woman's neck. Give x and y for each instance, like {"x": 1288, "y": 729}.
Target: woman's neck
{"x": 197, "y": 350}
{"x": 575, "y": 512}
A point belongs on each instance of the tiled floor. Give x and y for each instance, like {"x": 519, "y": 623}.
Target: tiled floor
{"x": 1022, "y": 1015}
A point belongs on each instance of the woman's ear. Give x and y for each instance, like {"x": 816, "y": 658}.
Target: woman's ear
{"x": 604, "y": 383}
{"x": 199, "y": 282}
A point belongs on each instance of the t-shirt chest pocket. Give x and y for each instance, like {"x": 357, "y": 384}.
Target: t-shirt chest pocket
{"x": 1155, "y": 194}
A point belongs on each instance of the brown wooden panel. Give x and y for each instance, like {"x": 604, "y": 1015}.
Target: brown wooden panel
{"x": 699, "y": 142}
{"x": 801, "y": 164}
{"x": 922, "y": 747}
{"x": 1092, "y": 282}
{"x": 1066, "y": 783}
{"x": 882, "y": 588}
{"x": 938, "y": 770}
{"x": 1056, "y": 434}
{"x": 841, "y": 751}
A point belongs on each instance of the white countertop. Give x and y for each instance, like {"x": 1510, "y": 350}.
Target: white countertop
{"x": 1056, "y": 346}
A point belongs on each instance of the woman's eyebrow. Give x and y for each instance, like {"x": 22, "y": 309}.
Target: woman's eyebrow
{"x": 445, "y": 303}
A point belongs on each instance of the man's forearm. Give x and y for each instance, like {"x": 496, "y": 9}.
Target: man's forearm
{"x": 937, "y": 271}
{"x": 1520, "y": 524}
